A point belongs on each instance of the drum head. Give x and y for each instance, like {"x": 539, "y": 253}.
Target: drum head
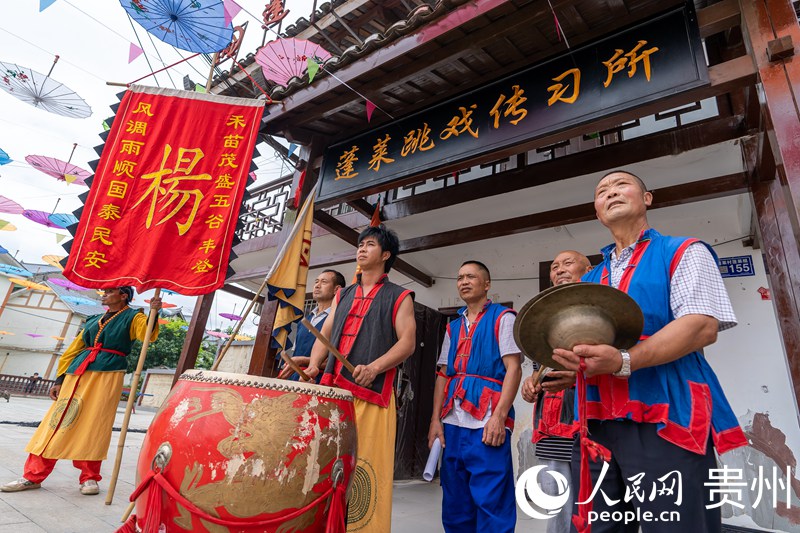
{"x": 246, "y": 380}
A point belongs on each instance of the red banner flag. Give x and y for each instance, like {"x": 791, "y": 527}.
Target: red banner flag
{"x": 165, "y": 199}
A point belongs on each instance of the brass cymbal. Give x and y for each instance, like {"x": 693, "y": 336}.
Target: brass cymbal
{"x": 576, "y": 313}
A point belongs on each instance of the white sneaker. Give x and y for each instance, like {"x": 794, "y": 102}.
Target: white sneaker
{"x": 19, "y": 485}
{"x": 89, "y": 488}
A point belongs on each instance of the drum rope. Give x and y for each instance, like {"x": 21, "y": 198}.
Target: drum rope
{"x": 154, "y": 476}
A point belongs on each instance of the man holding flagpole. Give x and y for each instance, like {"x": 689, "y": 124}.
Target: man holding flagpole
{"x": 373, "y": 327}
{"x": 86, "y": 393}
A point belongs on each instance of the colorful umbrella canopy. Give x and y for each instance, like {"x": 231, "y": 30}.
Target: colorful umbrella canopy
{"x": 67, "y": 284}
{"x": 61, "y": 170}
{"x": 164, "y": 305}
{"x": 3, "y": 250}
{"x": 7, "y": 226}
{"x": 7, "y": 205}
{"x": 217, "y": 334}
{"x": 186, "y": 24}
{"x": 53, "y": 260}
{"x": 34, "y": 335}
{"x": 29, "y": 284}
{"x": 78, "y": 300}
{"x": 230, "y": 316}
{"x": 284, "y": 59}
{"x": 15, "y": 270}
{"x": 163, "y": 321}
{"x": 42, "y": 91}
{"x": 4, "y": 159}
{"x": 63, "y": 220}
{"x": 40, "y": 217}
{"x": 6, "y": 333}
{"x": 57, "y": 338}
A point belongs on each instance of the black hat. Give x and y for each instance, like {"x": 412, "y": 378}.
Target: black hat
{"x": 127, "y": 289}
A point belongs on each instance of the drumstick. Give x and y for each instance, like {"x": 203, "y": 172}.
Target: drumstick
{"x": 538, "y": 375}
{"x": 331, "y": 348}
{"x": 293, "y": 365}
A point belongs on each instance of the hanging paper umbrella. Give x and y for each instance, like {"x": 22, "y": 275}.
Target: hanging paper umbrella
{"x": 164, "y": 305}
{"x": 9, "y": 206}
{"x": 163, "y": 321}
{"x": 186, "y": 24}
{"x": 166, "y": 291}
{"x": 63, "y": 220}
{"x": 232, "y": 315}
{"x": 3, "y": 250}
{"x": 42, "y": 91}
{"x": 217, "y": 334}
{"x": 40, "y": 217}
{"x": 4, "y": 159}
{"x": 7, "y": 226}
{"x": 284, "y": 59}
{"x": 61, "y": 170}
{"x": 6, "y": 333}
{"x": 34, "y": 335}
{"x": 78, "y": 300}
{"x": 15, "y": 270}
{"x": 67, "y": 284}
{"x": 29, "y": 284}
{"x": 57, "y": 337}
{"x": 53, "y": 260}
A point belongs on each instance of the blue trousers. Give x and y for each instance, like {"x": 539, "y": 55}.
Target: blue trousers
{"x": 477, "y": 483}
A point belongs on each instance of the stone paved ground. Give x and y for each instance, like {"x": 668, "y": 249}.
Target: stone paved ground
{"x": 58, "y": 507}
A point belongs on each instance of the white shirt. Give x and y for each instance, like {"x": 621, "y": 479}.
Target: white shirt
{"x": 457, "y": 416}
{"x": 696, "y": 287}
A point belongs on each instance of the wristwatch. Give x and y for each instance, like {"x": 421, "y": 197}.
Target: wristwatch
{"x": 625, "y": 371}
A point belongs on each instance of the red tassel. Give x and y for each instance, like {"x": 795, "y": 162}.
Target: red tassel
{"x": 589, "y": 450}
{"x": 337, "y": 516}
{"x": 152, "y": 520}
{"x": 129, "y": 526}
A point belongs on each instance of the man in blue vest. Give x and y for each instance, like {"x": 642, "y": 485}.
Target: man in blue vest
{"x": 325, "y": 287}
{"x": 473, "y": 411}
{"x": 658, "y": 407}
{"x": 554, "y": 424}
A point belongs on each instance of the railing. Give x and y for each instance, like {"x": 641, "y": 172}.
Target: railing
{"x": 20, "y": 385}
{"x": 264, "y": 212}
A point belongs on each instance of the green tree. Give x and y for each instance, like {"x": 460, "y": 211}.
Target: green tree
{"x": 167, "y": 349}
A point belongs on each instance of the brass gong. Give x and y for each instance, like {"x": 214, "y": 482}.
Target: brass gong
{"x": 576, "y": 313}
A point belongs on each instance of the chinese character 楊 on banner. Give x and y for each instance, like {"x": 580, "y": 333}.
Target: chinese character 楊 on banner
{"x": 165, "y": 199}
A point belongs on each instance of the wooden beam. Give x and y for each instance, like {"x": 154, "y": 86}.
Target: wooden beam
{"x": 350, "y": 236}
{"x": 194, "y": 335}
{"x": 362, "y": 206}
{"x": 242, "y": 293}
{"x": 718, "y": 17}
{"x": 595, "y": 160}
{"x": 665, "y": 197}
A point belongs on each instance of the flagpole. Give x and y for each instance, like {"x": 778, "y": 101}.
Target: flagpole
{"x": 151, "y": 320}
{"x": 278, "y": 258}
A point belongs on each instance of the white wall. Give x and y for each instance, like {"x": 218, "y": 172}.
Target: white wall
{"x": 43, "y": 314}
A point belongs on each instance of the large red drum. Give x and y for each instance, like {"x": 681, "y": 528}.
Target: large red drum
{"x": 243, "y": 453}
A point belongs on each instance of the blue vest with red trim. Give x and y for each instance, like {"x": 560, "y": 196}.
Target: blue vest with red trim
{"x": 467, "y": 378}
{"x": 683, "y": 397}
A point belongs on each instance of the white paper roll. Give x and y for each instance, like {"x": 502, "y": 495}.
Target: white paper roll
{"x": 433, "y": 460}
